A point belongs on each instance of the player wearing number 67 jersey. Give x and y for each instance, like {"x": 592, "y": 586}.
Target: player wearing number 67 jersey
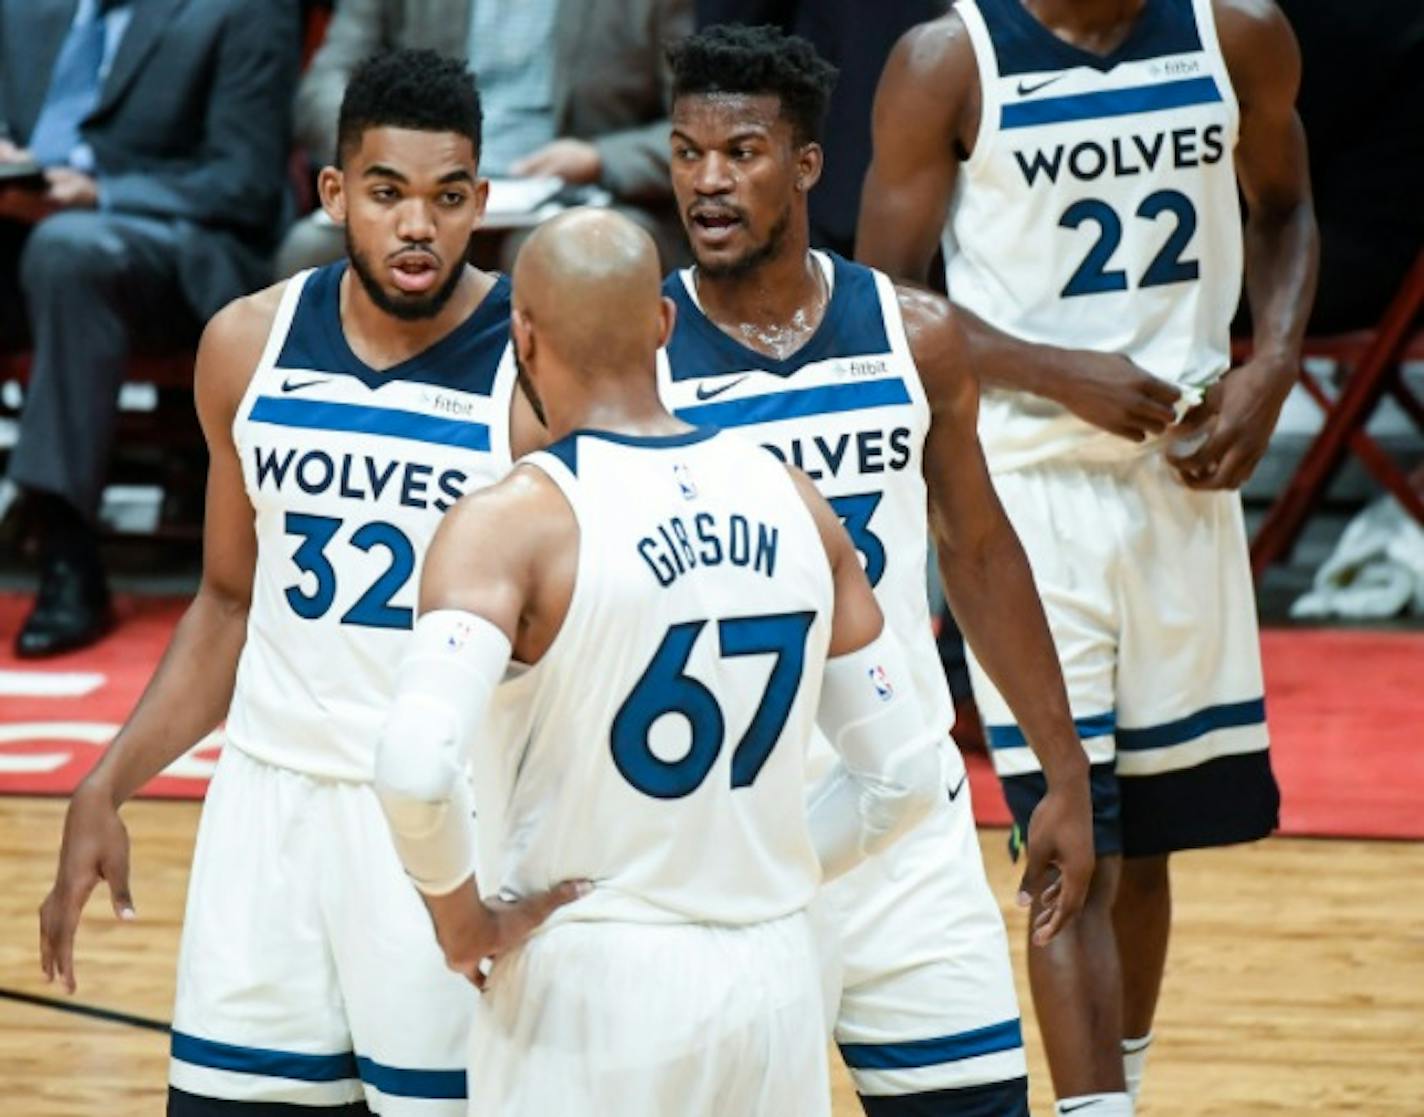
{"x": 865, "y": 386}
{"x": 345, "y": 411}
{"x": 1078, "y": 161}
{"x": 678, "y": 609}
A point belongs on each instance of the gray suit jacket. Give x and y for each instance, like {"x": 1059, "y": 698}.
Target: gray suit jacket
{"x": 192, "y": 125}
{"x": 611, "y": 81}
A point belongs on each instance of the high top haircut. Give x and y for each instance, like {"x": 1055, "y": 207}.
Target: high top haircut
{"x": 757, "y": 61}
{"x": 415, "y": 89}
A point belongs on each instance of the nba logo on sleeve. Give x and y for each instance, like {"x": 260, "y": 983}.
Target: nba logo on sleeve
{"x": 881, "y": 682}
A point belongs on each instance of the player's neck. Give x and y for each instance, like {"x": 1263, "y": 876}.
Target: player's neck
{"x": 1094, "y": 25}
{"x": 618, "y": 410}
{"x": 383, "y": 341}
{"x": 775, "y": 307}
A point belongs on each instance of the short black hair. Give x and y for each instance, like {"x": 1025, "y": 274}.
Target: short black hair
{"x": 417, "y": 89}
{"x": 733, "y": 58}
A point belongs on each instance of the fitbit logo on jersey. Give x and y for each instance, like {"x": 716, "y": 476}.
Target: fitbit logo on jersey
{"x": 359, "y": 477}
{"x": 1124, "y": 156}
{"x": 872, "y": 451}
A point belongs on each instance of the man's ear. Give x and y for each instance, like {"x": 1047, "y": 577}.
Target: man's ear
{"x": 331, "y": 190}
{"x": 809, "y": 161}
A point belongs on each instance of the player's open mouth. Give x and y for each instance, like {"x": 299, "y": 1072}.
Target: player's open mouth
{"x": 414, "y": 274}
{"x": 715, "y": 226}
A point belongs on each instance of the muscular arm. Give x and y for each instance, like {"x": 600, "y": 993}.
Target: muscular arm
{"x": 1282, "y": 244}
{"x": 925, "y": 125}
{"x": 192, "y": 687}
{"x": 991, "y": 590}
{"x": 497, "y": 580}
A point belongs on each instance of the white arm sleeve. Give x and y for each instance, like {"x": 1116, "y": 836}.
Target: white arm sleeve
{"x": 888, "y": 775}
{"x": 451, "y": 667}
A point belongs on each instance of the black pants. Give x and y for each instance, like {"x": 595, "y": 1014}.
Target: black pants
{"x": 84, "y": 289}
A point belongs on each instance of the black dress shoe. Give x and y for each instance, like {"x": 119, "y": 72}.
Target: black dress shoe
{"x": 72, "y": 610}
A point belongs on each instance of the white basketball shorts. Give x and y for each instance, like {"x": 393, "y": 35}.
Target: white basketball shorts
{"x": 922, "y": 986}
{"x": 1147, "y": 588}
{"x": 309, "y": 972}
{"x": 649, "y": 1020}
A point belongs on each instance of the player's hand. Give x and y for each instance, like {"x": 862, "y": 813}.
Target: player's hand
{"x": 1060, "y": 859}
{"x": 1241, "y": 411}
{"x": 575, "y": 161}
{"x": 95, "y": 847}
{"x": 470, "y": 930}
{"x": 1109, "y": 391}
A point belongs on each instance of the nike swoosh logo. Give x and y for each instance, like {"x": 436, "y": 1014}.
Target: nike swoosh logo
{"x": 953, "y": 795}
{"x": 704, "y": 392}
{"x": 1025, "y": 90}
{"x": 1080, "y": 1105}
{"x": 290, "y": 385}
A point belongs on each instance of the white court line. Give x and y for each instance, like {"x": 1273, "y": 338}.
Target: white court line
{"x": 49, "y": 684}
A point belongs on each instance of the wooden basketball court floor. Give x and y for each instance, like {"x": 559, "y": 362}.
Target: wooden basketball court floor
{"x": 1295, "y": 986}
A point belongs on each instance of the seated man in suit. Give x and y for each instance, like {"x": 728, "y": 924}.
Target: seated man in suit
{"x": 577, "y": 89}
{"x": 158, "y": 131}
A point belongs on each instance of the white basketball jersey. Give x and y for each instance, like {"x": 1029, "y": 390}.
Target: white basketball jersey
{"x": 349, "y": 471}
{"x": 1098, "y": 209}
{"x": 849, "y": 409}
{"x": 664, "y": 733}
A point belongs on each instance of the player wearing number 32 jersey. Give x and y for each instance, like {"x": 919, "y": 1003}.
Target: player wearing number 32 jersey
{"x": 345, "y": 410}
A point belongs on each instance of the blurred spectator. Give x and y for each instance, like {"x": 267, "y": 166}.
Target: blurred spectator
{"x": 1362, "y": 103}
{"x": 856, "y": 37}
{"x": 161, "y": 127}
{"x": 573, "y": 88}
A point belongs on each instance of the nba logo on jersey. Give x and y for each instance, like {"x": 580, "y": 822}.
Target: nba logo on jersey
{"x": 881, "y": 682}
{"x": 684, "y": 481}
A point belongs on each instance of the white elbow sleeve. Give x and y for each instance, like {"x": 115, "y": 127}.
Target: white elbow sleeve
{"x": 450, "y": 669}
{"x": 889, "y": 775}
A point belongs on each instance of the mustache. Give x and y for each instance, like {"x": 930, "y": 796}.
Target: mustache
{"x": 414, "y": 249}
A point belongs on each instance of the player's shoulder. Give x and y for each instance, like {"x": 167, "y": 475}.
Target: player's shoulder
{"x": 935, "y": 335}
{"x": 1252, "y": 30}
{"x": 934, "y": 55}
{"x": 526, "y": 500}
{"x": 231, "y": 347}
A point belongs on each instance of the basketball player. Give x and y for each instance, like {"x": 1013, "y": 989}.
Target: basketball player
{"x": 345, "y": 411}
{"x": 1081, "y": 160}
{"x": 670, "y": 598}
{"x": 865, "y": 386}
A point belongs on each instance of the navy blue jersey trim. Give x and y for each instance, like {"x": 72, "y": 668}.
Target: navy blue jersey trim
{"x": 566, "y": 449}
{"x": 1005, "y": 1036}
{"x": 397, "y": 1081}
{"x": 774, "y": 407}
{"x": 1011, "y": 736}
{"x": 852, "y": 326}
{"x": 466, "y": 359}
{"x": 1022, "y": 45}
{"x": 1227, "y": 716}
{"x": 1110, "y": 102}
{"x": 353, "y": 418}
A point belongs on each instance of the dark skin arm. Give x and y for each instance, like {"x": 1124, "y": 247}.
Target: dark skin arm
{"x": 1282, "y": 243}
{"x": 991, "y": 590}
{"x": 925, "y": 125}
{"x": 507, "y": 554}
{"x": 192, "y": 687}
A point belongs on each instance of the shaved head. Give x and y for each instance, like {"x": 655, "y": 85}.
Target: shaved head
{"x": 588, "y": 286}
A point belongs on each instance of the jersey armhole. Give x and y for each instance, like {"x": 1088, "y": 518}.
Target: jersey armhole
{"x": 895, "y": 333}
{"x": 272, "y": 349}
{"x": 1205, "y": 14}
{"x": 987, "y": 64}
{"x": 567, "y": 482}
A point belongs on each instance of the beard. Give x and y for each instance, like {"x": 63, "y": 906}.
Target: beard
{"x": 408, "y": 308}
{"x": 754, "y": 257}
